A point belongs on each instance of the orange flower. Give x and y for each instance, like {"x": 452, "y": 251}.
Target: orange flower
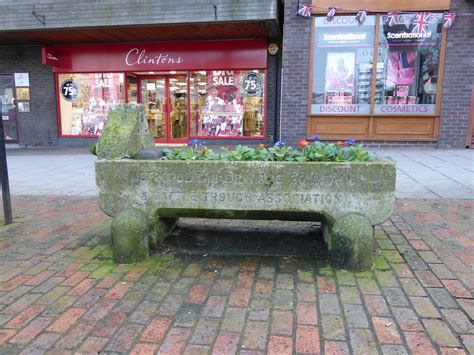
{"x": 302, "y": 143}
{"x": 341, "y": 143}
{"x": 203, "y": 150}
{"x": 261, "y": 146}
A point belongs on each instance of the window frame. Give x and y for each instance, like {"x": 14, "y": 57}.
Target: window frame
{"x": 441, "y": 62}
{"x": 126, "y": 73}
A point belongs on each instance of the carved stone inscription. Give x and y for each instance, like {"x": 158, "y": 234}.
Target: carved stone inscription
{"x": 276, "y": 179}
{"x": 252, "y": 197}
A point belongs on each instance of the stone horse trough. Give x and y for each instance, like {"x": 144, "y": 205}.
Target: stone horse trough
{"x": 147, "y": 197}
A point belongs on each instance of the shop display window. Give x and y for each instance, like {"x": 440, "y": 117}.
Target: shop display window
{"x": 342, "y": 65}
{"x": 85, "y": 100}
{"x": 227, "y": 103}
{"x": 409, "y": 61}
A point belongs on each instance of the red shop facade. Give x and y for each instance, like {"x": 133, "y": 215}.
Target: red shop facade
{"x": 212, "y": 90}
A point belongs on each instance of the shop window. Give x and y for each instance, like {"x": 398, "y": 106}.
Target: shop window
{"x": 85, "y": 100}
{"x": 409, "y": 61}
{"x": 227, "y": 103}
{"x": 342, "y": 65}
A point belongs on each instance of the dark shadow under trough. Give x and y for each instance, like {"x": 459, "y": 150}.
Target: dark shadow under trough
{"x": 218, "y": 237}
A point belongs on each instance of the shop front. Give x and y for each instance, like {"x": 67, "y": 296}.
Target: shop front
{"x": 377, "y": 79}
{"x": 191, "y": 90}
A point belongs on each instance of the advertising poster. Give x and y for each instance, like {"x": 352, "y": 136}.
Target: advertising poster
{"x": 409, "y": 54}
{"x": 342, "y": 53}
{"x": 223, "y": 113}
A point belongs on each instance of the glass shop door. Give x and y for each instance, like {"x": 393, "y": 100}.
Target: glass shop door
{"x": 166, "y": 103}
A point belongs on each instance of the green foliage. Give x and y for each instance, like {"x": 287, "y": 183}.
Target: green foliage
{"x": 93, "y": 149}
{"x": 317, "y": 151}
{"x": 193, "y": 152}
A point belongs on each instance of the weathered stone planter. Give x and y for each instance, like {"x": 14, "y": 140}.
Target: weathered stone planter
{"x": 146, "y": 198}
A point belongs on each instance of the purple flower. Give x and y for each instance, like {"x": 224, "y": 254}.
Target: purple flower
{"x": 350, "y": 142}
{"x": 201, "y": 144}
{"x": 280, "y": 144}
{"x": 315, "y": 138}
{"x": 193, "y": 142}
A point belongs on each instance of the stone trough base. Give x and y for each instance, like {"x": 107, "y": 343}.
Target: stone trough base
{"x": 349, "y": 239}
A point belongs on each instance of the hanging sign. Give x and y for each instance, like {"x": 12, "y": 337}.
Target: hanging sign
{"x": 360, "y": 17}
{"x": 70, "y": 90}
{"x": 331, "y": 13}
{"x": 49, "y": 56}
{"x": 448, "y": 19}
{"x": 391, "y": 18}
{"x": 304, "y": 10}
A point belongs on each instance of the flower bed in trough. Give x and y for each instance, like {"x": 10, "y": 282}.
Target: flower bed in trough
{"x": 340, "y": 186}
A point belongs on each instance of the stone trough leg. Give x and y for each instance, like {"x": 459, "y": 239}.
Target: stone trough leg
{"x": 351, "y": 242}
{"x": 130, "y": 237}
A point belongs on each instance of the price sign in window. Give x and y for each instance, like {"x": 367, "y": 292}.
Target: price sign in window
{"x": 70, "y": 90}
{"x": 252, "y": 84}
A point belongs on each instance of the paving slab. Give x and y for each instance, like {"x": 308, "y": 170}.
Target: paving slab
{"x": 235, "y": 287}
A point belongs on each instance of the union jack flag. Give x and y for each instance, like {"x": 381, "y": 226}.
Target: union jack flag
{"x": 391, "y": 18}
{"x": 331, "y": 13}
{"x": 360, "y": 17}
{"x": 448, "y": 19}
{"x": 304, "y": 10}
{"x": 421, "y": 22}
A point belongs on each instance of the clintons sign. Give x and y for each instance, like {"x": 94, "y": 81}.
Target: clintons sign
{"x": 239, "y": 54}
{"x": 136, "y": 56}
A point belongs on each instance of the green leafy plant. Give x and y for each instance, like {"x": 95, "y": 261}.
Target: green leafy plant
{"x": 196, "y": 150}
{"x": 316, "y": 151}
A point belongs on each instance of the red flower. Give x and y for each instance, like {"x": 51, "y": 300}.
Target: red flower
{"x": 341, "y": 143}
{"x": 303, "y": 143}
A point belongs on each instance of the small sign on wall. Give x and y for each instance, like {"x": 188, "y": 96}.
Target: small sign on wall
{"x": 22, "y": 79}
{"x": 23, "y": 107}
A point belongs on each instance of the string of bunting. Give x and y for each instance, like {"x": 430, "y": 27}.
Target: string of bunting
{"x": 421, "y": 19}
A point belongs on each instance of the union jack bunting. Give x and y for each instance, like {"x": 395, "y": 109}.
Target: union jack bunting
{"x": 391, "y": 18}
{"x": 331, "y": 13}
{"x": 360, "y": 17}
{"x": 448, "y": 19}
{"x": 304, "y": 10}
{"x": 421, "y": 20}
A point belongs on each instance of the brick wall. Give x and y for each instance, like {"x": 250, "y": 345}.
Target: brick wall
{"x": 296, "y": 47}
{"x": 458, "y": 77}
{"x": 39, "y": 126}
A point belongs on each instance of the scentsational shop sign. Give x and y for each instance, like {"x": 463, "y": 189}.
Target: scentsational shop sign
{"x": 160, "y": 56}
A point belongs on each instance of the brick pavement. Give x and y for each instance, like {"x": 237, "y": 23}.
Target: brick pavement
{"x": 61, "y": 292}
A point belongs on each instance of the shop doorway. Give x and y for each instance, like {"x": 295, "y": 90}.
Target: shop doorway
{"x": 167, "y": 106}
{"x": 7, "y": 97}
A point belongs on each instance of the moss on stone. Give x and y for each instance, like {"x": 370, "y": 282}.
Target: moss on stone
{"x": 125, "y": 134}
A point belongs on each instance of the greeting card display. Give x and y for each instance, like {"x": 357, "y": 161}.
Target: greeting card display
{"x": 223, "y": 113}
{"x": 339, "y": 87}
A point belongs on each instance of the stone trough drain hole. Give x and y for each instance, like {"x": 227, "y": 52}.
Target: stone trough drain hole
{"x": 195, "y": 236}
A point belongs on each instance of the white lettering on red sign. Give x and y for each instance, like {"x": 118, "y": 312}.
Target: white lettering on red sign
{"x": 52, "y": 57}
{"x": 135, "y": 56}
